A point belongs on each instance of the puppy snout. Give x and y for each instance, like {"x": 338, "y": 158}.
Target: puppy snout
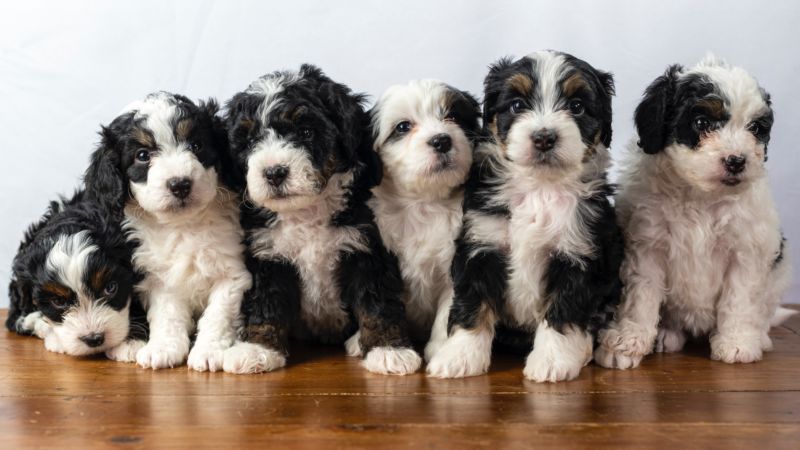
{"x": 180, "y": 187}
{"x": 441, "y": 143}
{"x": 734, "y": 163}
{"x": 544, "y": 140}
{"x": 93, "y": 339}
{"x": 276, "y": 175}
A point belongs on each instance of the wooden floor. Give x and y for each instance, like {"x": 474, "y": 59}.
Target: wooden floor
{"x": 326, "y": 400}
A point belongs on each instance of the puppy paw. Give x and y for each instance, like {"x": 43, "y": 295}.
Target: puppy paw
{"x": 53, "y": 344}
{"x": 160, "y": 355}
{"x": 352, "y": 346}
{"x": 546, "y": 366}
{"x": 432, "y": 348}
{"x": 618, "y": 350}
{"x": 670, "y": 341}
{"x": 616, "y": 360}
{"x": 736, "y": 350}
{"x": 245, "y": 357}
{"x": 392, "y": 360}
{"x": 207, "y": 356}
{"x": 125, "y": 352}
{"x": 464, "y": 354}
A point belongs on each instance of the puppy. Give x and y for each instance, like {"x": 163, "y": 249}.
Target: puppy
{"x": 705, "y": 255}
{"x": 539, "y": 250}
{"x": 425, "y": 133}
{"x": 164, "y": 161}
{"x": 72, "y": 283}
{"x": 320, "y": 269}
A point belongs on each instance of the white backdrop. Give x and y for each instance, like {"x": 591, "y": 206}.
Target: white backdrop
{"x": 68, "y": 66}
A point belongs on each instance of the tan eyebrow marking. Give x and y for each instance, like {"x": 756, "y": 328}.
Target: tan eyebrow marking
{"x": 521, "y": 83}
{"x": 573, "y": 84}
{"x": 144, "y": 138}
{"x": 714, "y": 107}
{"x": 184, "y": 128}
{"x": 98, "y": 279}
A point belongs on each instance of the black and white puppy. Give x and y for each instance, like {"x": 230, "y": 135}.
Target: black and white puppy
{"x": 425, "y": 133}
{"x": 72, "y": 283}
{"x": 164, "y": 161}
{"x": 320, "y": 269}
{"x": 704, "y": 254}
{"x": 539, "y": 250}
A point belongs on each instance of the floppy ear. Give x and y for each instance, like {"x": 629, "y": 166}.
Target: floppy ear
{"x": 606, "y": 80}
{"x": 105, "y": 184}
{"x": 227, "y": 170}
{"x": 472, "y": 124}
{"x": 493, "y": 86}
{"x": 654, "y": 113}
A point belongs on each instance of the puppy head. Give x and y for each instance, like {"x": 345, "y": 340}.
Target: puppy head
{"x": 165, "y": 153}
{"x": 292, "y": 132}
{"x": 425, "y": 132}
{"x": 82, "y": 285}
{"x": 550, "y": 112}
{"x": 713, "y": 122}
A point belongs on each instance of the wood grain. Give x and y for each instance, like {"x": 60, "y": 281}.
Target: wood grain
{"x": 326, "y": 400}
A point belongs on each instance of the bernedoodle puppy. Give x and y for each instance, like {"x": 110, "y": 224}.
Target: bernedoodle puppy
{"x": 320, "y": 268}
{"x": 165, "y": 161}
{"x": 705, "y": 254}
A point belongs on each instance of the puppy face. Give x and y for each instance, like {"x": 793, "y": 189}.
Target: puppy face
{"x": 163, "y": 153}
{"x": 713, "y": 122}
{"x": 549, "y": 111}
{"x": 83, "y": 292}
{"x": 291, "y": 132}
{"x": 424, "y": 132}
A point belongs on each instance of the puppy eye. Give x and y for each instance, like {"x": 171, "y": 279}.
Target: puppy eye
{"x": 143, "y": 155}
{"x": 306, "y": 133}
{"x": 576, "y": 107}
{"x": 450, "y": 116}
{"x": 59, "y": 302}
{"x": 111, "y": 288}
{"x": 702, "y": 123}
{"x": 403, "y": 127}
{"x": 517, "y": 106}
{"x": 755, "y": 128}
{"x": 195, "y": 146}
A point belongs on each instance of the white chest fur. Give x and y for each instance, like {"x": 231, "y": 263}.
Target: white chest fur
{"x": 421, "y": 234}
{"x": 186, "y": 258}
{"x": 308, "y": 241}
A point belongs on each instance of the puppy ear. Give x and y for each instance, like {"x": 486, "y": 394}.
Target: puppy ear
{"x": 105, "y": 184}
{"x": 606, "y": 80}
{"x": 472, "y": 124}
{"x": 227, "y": 171}
{"x": 493, "y": 86}
{"x": 654, "y": 113}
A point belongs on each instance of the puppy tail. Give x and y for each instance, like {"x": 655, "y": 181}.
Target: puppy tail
{"x": 781, "y": 315}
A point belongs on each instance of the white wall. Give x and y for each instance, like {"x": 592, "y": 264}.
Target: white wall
{"x": 67, "y": 66}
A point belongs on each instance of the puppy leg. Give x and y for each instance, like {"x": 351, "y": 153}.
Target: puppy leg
{"x": 352, "y": 346}
{"x": 558, "y": 356}
{"x": 170, "y": 319}
{"x": 632, "y": 333}
{"x": 439, "y": 329}
{"x": 670, "y": 340}
{"x": 126, "y": 351}
{"x": 216, "y": 329}
{"x": 267, "y": 308}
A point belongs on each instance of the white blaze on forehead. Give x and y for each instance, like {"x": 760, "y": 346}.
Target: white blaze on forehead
{"x": 158, "y": 111}
{"x": 550, "y": 68}
{"x": 270, "y": 86}
{"x": 416, "y": 101}
{"x": 69, "y": 257}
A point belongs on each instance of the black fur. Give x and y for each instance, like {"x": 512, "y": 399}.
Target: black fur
{"x": 327, "y": 121}
{"x": 30, "y": 275}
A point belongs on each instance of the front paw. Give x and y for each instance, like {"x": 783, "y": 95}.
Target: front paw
{"x": 620, "y": 350}
{"x": 544, "y": 366}
{"x": 457, "y": 359}
{"x": 352, "y": 346}
{"x": 736, "y": 350}
{"x": 245, "y": 357}
{"x": 392, "y": 361}
{"x": 612, "y": 359}
{"x": 161, "y": 355}
{"x": 126, "y": 351}
{"x": 670, "y": 341}
{"x": 53, "y": 344}
{"x": 207, "y": 356}
{"x": 433, "y": 347}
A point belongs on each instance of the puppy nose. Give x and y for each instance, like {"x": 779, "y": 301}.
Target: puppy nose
{"x": 93, "y": 340}
{"x": 544, "y": 140}
{"x": 441, "y": 143}
{"x": 734, "y": 163}
{"x": 180, "y": 187}
{"x": 276, "y": 175}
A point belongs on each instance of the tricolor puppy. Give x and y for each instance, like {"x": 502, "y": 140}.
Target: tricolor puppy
{"x": 704, "y": 254}
{"x": 320, "y": 269}
{"x": 539, "y": 251}
{"x": 425, "y": 133}
{"x": 164, "y": 160}
{"x": 72, "y": 283}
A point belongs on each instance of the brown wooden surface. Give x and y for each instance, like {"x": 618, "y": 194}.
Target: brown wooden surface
{"x": 326, "y": 400}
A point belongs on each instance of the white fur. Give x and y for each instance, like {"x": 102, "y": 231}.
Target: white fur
{"x": 352, "y": 346}
{"x": 245, "y": 358}
{"x": 699, "y": 254}
{"x": 392, "y": 361}
{"x": 558, "y": 356}
{"x": 126, "y": 351}
{"x": 465, "y": 353}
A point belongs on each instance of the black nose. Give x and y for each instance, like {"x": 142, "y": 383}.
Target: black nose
{"x": 180, "y": 187}
{"x": 276, "y": 175}
{"x": 734, "y": 163}
{"x": 94, "y": 339}
{"x": 544, "y": 140}
{"x": 441, "y": 143}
